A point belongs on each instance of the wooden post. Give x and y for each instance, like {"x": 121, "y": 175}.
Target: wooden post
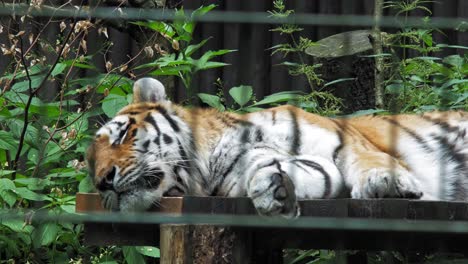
{"x": 200, "y": 244}
{"x": 379, "y": 61}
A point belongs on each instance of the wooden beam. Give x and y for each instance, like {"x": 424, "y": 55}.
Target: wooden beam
{"x": 208, "y": 244}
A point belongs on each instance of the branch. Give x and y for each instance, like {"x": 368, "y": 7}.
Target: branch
{"x": 34, "y": 93}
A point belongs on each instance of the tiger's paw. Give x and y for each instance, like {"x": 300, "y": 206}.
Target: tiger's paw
{"x": 273, "y": 194}
{"x": 386, "y": 183}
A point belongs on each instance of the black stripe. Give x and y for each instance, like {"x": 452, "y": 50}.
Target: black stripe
{"x": 235, "y": 162}
{"x": 150, "y": 119}
{"x": 245, "y": 136}
{"x": 230, "y": 188}
{"x": 169, "y": 119}
{"x": 340, "y": 146}
{"x": 413, "y": 134}
{"x": 167, "y": 139}
{"x": 319, "y": 168}
{"x": 121, "y": 134}
{"x": 273, "y": 117}
{"x": 146, "y": 145}
{"x": 117, "y": 123}
{"x": 259, "y": 135}
{"x": 177, "y": 168}
{"x": 183, "y": 154}
{"x": 296, "y": 142}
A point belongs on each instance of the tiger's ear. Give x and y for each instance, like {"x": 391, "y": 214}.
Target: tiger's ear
{"x": 148, "y": 90}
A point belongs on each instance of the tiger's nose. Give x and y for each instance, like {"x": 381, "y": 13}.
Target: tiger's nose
{"x": 107, "y": 182}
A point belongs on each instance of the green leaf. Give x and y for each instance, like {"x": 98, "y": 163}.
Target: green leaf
{"x": 10, "y": 246}
{"x": 6, "y": 172}
{"x": 252, "y": 109}
{"x": 454, "y": 60}
{"x": 427, "y": 38}
{"x": 461, "y": 98}
{"x": 193, "y": 48}
{"x": 163, "y": 28}
{"x": 33, "y": 184}
{"x": 8, "y": 196}
{"x": 27, "y": 194}
{"x": 366, "y": 112}
{"x": 24, "y": 85}
{"x": 278, "y": 98}
{"x": 212, "y": 100}
{"x": 14, "y": 224}
{"x": 452, "y": 82}
{"x": 202, "y": 10}
{"x": 45, "y": 234}
{"x": 58, "y": 69}
{"x": 113, "y": 104}
{"x": 395, "y": 88}
{"x": 6, "y": 184}
{"x": 69, "y": 208}
{"x": 211, "y": 54}
{"x": 132, "y": 256}
{"x": 241, "y": 94}
{"x": 451, "y": 46}
{"x": 7, "y": 141}
{"x": 211, "y": 65}
{"x": 148, "y": 251}
{"x": 86, "y": 185}
{"x": 338, "y": 81}
{"x": 6, "y": 191}
{"x": 171, "y": 71}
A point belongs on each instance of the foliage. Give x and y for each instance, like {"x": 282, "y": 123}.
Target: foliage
{"x": 296, "y": 47}
{"x": 44, "y": 134}
{"x": 318, "y": 100}
{"x": 181, "y": 63}
{"x": 423, "y": 82}
{"x": 245, "y": 101}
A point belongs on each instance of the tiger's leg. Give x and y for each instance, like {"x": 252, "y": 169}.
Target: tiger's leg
{"x": 369, "y": 173}
{"x": 275, "y": 185}
{"x": 271, "y": 189}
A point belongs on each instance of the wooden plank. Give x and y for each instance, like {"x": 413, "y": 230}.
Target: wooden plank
{"x": 207, "y": 244}
{"x": 325, "y": 208}
{"x": 378, "y": 208}
{"x": 113, "y": 233}
{"x": 428, "y": 210}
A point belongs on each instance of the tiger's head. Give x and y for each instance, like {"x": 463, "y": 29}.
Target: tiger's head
{"x": 141, "y": 154}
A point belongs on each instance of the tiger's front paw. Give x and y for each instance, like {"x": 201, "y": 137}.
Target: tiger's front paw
{"x": 273, "y": 194}
{"x": 386, "y": 183}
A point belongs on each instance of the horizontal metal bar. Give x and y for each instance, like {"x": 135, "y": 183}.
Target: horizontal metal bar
{"x": 128, "y": 13}
{"x": 317, "y": 223}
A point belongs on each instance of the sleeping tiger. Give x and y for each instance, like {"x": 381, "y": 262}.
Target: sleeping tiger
{"x": 154, "y": 148}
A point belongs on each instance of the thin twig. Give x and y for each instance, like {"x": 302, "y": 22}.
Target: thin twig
{"x": 34, "y": 93}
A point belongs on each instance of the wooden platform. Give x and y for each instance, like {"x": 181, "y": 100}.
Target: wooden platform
{"x": 267, "y": 243}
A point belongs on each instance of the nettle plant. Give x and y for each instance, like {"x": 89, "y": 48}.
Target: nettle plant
{"x": 47, "y": 115}
{"x": 183, "y": 63}
{"x": 318, "y": 100}
{"x": 423, "y": 82}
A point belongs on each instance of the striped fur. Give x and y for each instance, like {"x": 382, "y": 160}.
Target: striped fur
{"x": 154, "y": 148}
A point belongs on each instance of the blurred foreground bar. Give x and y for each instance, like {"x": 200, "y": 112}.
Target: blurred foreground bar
{"x": 215, "y": 244}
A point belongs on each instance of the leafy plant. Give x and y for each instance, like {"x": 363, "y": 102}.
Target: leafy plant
{"x": 182, "y": 63}
{"x": 296, "y": 46}
{"x": 423, "y": 82}
{"x": 318, "y": 100}
{"x": 44, "y": 135}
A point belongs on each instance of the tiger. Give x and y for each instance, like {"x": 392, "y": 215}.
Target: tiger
{"x": 155, "y": 148}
